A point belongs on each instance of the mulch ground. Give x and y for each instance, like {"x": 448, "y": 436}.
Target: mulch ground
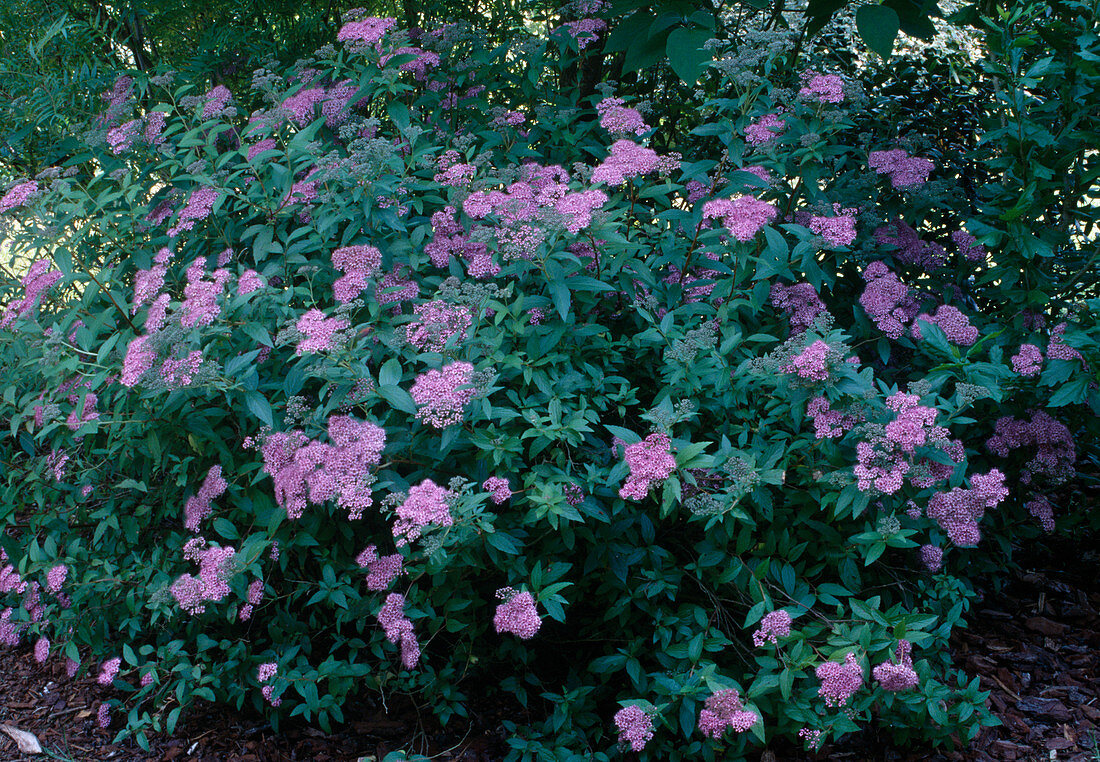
{"x": 1035, "y": 644}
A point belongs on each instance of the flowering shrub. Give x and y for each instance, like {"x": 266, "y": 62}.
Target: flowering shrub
{"x": 376, "y": 387}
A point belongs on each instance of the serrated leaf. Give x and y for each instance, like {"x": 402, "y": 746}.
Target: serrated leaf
{"x": 258, "y": 405}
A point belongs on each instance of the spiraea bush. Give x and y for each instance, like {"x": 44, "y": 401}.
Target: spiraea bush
{"x": 405, "y": 372}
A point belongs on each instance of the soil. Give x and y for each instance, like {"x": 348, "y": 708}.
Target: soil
{"x": 1035, "y": 644}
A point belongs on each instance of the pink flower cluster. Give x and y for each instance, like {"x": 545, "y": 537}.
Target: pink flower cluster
{"x": 40, "y": 278}
{"x": 264, "y": 674}
{"x": 212, "y": 584}
{"x": 584, "y": 31}
{"x": 498, "y": 489}
{"x": 629, "y": 159}
{"x": 517, "y": 614}
{"x": 1051, "y": 443}
{"x": 121, "y": 138}
{"x": 969, "y": 246}
{"x": 56, "y": 577}
{"x": 839, "y": 681}
{"x": 722, "y": 711}
{"x": 765, "y": 129}
{"x": 910, "y": 249}
{"x": 619, "y": 119}
{"x": 108, "y": 671}
{"x": 651, "y": 462}
{"x": 399, "y": 629}
{"x": 358, "y": 263}
{"x": 775, "y": 624}
{"x": 811, "y": 363}
{"x": 635, "y": 726}
{"x": 307, "y": 471}
{"x": 887, "y": 300}
{"x": 200, "y": 303}
{"x": 828, "y": 423}
{"x": 419, "y": 65}
{"x": 436, "y": 323}
{"x": 425, "y": 504}
{"x": 137, "y": 362}
{"x": 897, "y": 675}
{"x": 1041, "y": 509}
{"x": 1057, "y": 348}
{"x": 743, "y": 216}
{"x": 198, "y": 506}
{"x": 825, "y": 88}
{"x": 199, "y": 205}
{"x": 904, "y": 170}
{"x": 18, "y": 195}
{"x": 442, "y": 395}
{"x": 381, "y": 570}
{"x": 254, "y": 595}
{"x": 838, "y": 230}
{"x": 959, "y": 510}
{"x": 800, "y": 302}
{"x": 932, "y": 557}
{"x": 1028, "y": 361}
{"x": 954, "y": 324}
{"x": 368, "y": 31}
{"x": 215, "y": 101}
{"x": 395, "y": 287}
{"x": 320, "y": 333}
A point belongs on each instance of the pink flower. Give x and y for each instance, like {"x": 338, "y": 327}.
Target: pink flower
{"x": 774, "y": 625}
{"x": 837, "y": 231}
{"x": 517, "y": 615}
{"x": 436, "y": 323}
{"x": 55, "y": 578}
{"x": 42, "y": 650}
{"x": 320, "y": 333}
{"x": 249, "y": 281}
{"x": 381, "y": 570}
{"x": 811, "y": 363}
{"x": 584, "y": 31}
{"x": 627, "y": 160}
{"x": 650, "y": 462}
{"x": 498, "y": 489}
{"x": 399, "y": 629}
{"x": 199, "y": 205}
{"x": 904, "y": 170}
{"x": 954, "y": 324}
{"x": 139, "y": 359}
{"x": 825, "y": 88}
{"x": 368, "y": 31}
{"x": 1028, "y": 361}
{"x": 932, "y": 557}
{"x": 800, "y": 302}
{"x": 635, "y": 726}
{"x": 897, "y": 675}
{"x": 722, "y": 711}
{"x": 426, "y": 504}
{"x": 40, "y": 278}
{"x": 744, "y": 216}
{"x": 442, "y": 395}
{"x": 18, "y": 195}
{"x": 619, "y": 119}
{"x": 108, "y": 671}
{"x": 839, "y": 681}
{"x": 765, "y": 129}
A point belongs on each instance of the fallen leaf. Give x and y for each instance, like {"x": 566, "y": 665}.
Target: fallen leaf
{"x": 26, "y": 742}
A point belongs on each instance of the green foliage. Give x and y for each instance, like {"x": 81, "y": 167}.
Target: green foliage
{"x": 610, "y": 317}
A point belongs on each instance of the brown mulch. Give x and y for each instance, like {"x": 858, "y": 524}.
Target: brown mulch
{"x": 1035, "y": 645}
